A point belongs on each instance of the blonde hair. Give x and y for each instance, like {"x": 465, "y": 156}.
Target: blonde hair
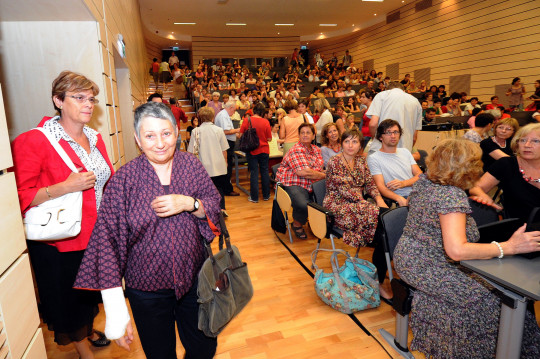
{"x": 512, "y": 122}
{"x": 524, "y": 131}
{"x": 321, "y": 104}
{"x": 326, "y": 128}
{"x": 69, "y": 81}
{"x": 455, "y": 162}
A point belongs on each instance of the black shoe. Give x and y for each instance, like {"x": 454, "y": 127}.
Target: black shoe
{"x": 102, "y": 341}
{"x": 232, "y": 194}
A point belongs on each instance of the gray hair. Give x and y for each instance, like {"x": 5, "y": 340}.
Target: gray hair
{"x": 395, "y": 85}
{"x": 229, "y": 104}
{"x": 153, "y": 109}
{"x": 321, "y": 104}
{"x": 215, "y": 93}
{"x": 495, "y": 113}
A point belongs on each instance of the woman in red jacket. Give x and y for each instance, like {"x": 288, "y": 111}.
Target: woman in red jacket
{"x": 42, "y": 175}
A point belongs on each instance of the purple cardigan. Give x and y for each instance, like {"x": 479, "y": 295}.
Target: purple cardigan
{"x": 129, "y": 240}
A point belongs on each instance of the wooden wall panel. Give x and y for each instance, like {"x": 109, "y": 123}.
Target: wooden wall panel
{"x": 460, "y": 83}
{"x": 241, "y": 47}
{"x": 5, "y": 148}
{"x": 13, "y": 240}
{"x": 492, "y": 40}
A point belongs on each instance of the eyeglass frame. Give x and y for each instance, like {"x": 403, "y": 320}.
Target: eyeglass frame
{"x": 524, "y": 141}
{"x": 390, "y": 133}
{"x": 82, "y": 99}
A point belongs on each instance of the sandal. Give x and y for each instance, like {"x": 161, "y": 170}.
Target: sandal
{"x": 299, "y": 232}
{"x": 102, "y": 341}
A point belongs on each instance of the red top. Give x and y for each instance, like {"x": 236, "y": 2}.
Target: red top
{"x": 38, "y": 165}
{"x": 298, "y": 158}
{"x": 179, "y": 115}
{"x": 155, "y": 67}
{"x": 264, "y": 132}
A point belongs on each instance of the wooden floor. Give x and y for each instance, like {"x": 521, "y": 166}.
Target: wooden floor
{"x": 285, "y": 319}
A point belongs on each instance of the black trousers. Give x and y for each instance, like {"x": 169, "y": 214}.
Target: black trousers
{"x": 230, "y": 164}
{"x": 221, "y": 183}
{"x": 155, "y": 314}
{"x": 379, "y": 259}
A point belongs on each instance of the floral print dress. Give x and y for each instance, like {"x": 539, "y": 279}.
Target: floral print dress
{"x": 344, "y": 196}
{"x": 454, "y": 312}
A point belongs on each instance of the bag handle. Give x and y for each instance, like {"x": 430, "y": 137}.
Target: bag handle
{"x": 61, "y": 152}
{"x": 337, "y": 251}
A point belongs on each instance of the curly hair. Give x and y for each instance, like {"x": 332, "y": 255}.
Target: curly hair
{"x": 455, "y": 162}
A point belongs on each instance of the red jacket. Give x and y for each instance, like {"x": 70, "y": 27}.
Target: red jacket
{"x": 38, "y": 165}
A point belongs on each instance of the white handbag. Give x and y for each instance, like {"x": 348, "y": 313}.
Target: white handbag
{"x": 58, "y": 218}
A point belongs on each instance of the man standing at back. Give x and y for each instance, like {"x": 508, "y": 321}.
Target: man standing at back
{"x": 223, "y": 120}
{"x": 394, "y": 169}
{"x": 258, "y": 158}
{"x": 398, "y": 105}
{"x": 347, "y": 59}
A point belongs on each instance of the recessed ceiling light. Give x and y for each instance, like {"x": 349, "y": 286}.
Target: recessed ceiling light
{"x": 321, "y": 33}
{"x": 235, "y": 24}
{"x": 327, "y": 24}
{"x": 278, "y": 33}
{"x": 185, "y": 23}
{"x": 284, "y": 24}
{"x": 374, "y": 14}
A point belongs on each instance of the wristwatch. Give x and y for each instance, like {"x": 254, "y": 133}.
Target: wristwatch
{"x": 195, "y": 206}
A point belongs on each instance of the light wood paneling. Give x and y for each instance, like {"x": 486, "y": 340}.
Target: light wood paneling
{"x": 112, "y": 122}
{"x": 36, "y": 348}
{"x": 13, "y": 240}
{"x": 5, "y": 149}
{"x": 105, "y": 58}
{"x": 18, "y": 305}
{"x": 492, "y": 40}
{"x": 114, "y": 148}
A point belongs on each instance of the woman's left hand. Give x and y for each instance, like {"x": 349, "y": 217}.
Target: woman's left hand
{"x": 171, "y": 204}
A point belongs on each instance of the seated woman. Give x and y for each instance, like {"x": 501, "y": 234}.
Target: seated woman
{"x": 331, "y": 144}
{"x": 519, "y": 177}
{"x": 301, "y": 166}
{"x": 498, "y": 146}
{"x": 455, "y": 314}
{"x": 349, "y": 122}
{"x": 348, "y": 177}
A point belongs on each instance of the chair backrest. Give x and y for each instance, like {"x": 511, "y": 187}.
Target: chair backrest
{"x": 483, "y": 214}
{"x": 319, "y": 191}
{"x": 283, "y": 199}
{"x": 393, "y": 222}
{"x": 533, "y": 223}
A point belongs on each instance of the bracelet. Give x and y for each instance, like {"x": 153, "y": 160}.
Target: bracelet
{"x": 500, "y": 249}
{"x": 48, "y": 193}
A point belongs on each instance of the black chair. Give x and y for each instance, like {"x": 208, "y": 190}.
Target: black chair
{"x": 483, "y": 214}
{"x": 275, "y": 169}
{"x": 321, "y": 220}
{"x": 393, "y": 222}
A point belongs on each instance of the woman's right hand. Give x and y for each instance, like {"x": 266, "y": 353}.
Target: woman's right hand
{"x": 79, "y": 181}
{"x": 127, "y": 339}
{"x": 522, "y": 242}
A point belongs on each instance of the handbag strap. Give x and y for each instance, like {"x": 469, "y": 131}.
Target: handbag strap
{"x": 249, "y": 120}
{"x": 58, "y": 149}
{"x": 337, "y": 251}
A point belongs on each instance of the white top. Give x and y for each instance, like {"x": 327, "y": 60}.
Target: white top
{"x": 399, "y": 106}
{"x": 326, "y": 117}
{"x": 212, "y": 143}
{"x": 393, "y": 166}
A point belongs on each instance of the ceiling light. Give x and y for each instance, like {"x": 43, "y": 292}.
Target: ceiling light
{"x": 374, "y": 14}
{"x": 185, "y": 23}
{"x": 284, "y": 24}
{"x": 235, "y": 24}
{"x": 327, "y": 24}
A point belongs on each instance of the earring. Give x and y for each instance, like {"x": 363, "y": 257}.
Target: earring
{"x": 60, "y": 107}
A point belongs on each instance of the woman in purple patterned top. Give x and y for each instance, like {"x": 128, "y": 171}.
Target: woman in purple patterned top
{"x": 155, "y": 212}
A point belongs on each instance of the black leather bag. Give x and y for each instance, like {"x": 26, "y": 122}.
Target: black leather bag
{"x": 249, "y": 140}
{"x": 224, "y": 287}
{"x": 277, "y": 219}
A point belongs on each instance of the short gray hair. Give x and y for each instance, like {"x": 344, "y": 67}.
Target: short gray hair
{"x": 229, "y": 104}
{"x": 153, "y": 109}
{"x": 495, "y": 113}
{"x": 215, "y": 93}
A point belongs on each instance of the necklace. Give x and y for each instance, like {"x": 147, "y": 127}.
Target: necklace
{"x": 334, "y": 146}
{"x": 527, "y": 178}
{"x": 497, "y": 142}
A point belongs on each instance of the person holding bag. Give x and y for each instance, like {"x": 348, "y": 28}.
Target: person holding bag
{"x": 258, "y": 158}
{"x": 156, "y": 212}
{"x": 42, "y": 175}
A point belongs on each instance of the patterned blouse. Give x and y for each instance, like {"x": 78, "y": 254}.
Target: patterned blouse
{"x": 93, "y": 162}
{"x": 345, "y": 190}
{"x": 130, "y": 241}
{"x": 299, "y": 157}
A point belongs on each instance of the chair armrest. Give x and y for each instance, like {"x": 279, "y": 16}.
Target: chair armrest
{"x": 403, "y": 295}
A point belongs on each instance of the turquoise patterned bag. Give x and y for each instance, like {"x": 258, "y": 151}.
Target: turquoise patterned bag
{"x": 350, "y": 288}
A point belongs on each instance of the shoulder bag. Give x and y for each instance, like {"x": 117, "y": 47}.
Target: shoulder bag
{"x": 350, "y": 288}
{"x": 57, "y": 218}
{"x": 224, "y": 286}
{"x": 249, "y": 140}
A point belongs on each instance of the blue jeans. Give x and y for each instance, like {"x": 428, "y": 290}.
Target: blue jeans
{"x": 258, "y": 163}
{"x": 155, "y": 314}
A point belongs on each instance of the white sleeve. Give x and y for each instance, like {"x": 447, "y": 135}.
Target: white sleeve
{"x": 116, "y": 312}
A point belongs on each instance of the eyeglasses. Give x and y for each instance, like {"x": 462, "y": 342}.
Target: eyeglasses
{"x": 83, "y": 99}
{"x": 505, "y": 128}
{"x": 534, "y": 141}
{"x": 390, "y": 133}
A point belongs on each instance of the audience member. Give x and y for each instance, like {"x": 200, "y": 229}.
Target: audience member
{"x": 322, "y": 107}
{"x": 155, "y": 97}
{"x": 155, "y": 71}
{"x": 223, "y": 120}
{"x": 258, "y": 158}
{"x": 470, "y": 106}
{"x": 454, "y": 312}
{"x": 397, "y": 105}
{"x": 301, "y": 166}
{"x": 178, "y": 113}
{"x": 331, "y": 144}
{"x": 394, "y": 169}
{"x": 499, "y": 145}
{"x": 289, "y": 124}
{"x": 516, "y": 93}
{"x": 482, "y": 124}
